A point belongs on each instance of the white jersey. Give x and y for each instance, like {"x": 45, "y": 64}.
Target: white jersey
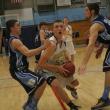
{"x": 68, "y": 33}
{"x": 58, "y": 57}
{"x": 69, "y": 40}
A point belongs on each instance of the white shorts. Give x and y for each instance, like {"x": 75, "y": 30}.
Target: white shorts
{"x": 63, "y": 80}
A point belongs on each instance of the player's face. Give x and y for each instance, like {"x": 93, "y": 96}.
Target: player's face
{"x": 16, "y": 28}
{"x": 44, "y": 27}
{"x": 58, "y": 29}
{"x": 87, "y": 13}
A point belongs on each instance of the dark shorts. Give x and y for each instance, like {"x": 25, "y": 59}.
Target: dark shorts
{"x": 47, "y": 75}
{"x": 28, "y": 79}
{"x": 106, "y": 63}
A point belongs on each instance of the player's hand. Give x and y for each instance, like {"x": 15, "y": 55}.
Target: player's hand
{"x": 82, "y": 69}
{"x": 63, "y": 72}
{"x": 46, "y": 44}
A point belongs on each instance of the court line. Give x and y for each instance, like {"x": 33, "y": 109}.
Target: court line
{"x": 6, "y": 78}
{"x": 9, "y": 87}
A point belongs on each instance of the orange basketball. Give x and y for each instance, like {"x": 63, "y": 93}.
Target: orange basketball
{"x": 70, "y": 67}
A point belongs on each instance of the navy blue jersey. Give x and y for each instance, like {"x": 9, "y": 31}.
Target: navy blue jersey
{"x": 37, "y": 41}
{"x": 18, "y": 61}
{"x": 104, "y": 36}
{"x": 48, "y": 34}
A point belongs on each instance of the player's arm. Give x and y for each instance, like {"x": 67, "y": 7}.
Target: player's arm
{"x": 42, "y": 36}
{"x": 71, "y": 30}
{"x": 94, "y": 30}
{"x": 18, "y": 45}
{"x": 48, "y": 52}
{"x": 92, "y": 39}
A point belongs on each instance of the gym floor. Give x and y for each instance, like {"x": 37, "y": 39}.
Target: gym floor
{"x": 13, "y": 96}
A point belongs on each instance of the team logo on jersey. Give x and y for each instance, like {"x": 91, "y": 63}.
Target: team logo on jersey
{"x": 31, "y": 82}
{"x": 107, "y": 21}
{"x": 105, "y": 35}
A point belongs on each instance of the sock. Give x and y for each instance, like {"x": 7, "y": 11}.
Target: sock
{"x": 106, "y": 93}
{"x": 32, "y": 102}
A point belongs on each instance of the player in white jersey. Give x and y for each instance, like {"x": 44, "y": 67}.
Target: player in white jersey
{"x": 71, "y": 52}
{"x": 59, "y": 58}
{"x": 68, "y": 37}
{"x": 51, "y": 64}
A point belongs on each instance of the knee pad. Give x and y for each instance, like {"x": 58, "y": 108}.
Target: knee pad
{"x": 50, "y": 79}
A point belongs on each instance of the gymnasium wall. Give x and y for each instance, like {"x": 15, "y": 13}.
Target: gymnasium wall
{"x": 25, "y": 15}
{"x": 29, "y": 17}
{"x": 28, "y": 35}
{"x": 75, "y": 15}
{"x": 72, "y": 13}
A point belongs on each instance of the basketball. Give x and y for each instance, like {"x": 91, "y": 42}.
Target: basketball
{"x": 70, "y": 67}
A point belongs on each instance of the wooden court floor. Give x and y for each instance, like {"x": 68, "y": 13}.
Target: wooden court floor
{"x": 13, "y": 96}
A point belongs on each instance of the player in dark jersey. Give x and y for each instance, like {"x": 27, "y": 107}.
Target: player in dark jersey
{"x": 19, "y": 67}
{"x": 41, "y": 36}
{"x": 99, "y": 33}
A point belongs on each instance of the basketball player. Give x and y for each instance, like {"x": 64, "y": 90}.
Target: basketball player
{"x": 19, "y": 67}
{"x": 40, "y": 38}
{"x": 71, "y": 51}
{"x": 43, "y": 29}
{"x": 68, "y": 36}
{"x": 51, "y": 64}
{"x": 99, "y": 32}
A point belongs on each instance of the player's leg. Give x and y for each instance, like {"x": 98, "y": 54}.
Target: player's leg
{"x": 34, "y": 86}
{"x": 33, "y": 99}
{"x": 72, "y": 86}
{"x": 70, "y": 83}
{"x": 104, "y": 100}
{"x": 54, "y": 83}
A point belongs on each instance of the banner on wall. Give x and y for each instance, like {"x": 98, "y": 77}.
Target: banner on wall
{"x": 16, "y": 1}
{"x": 45, "y": 2}
{"x": 77, "y": 1}
{"x": 25, "y": 15}
{"x": 63, "y": 2}
{"x": 93, "y": 1}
